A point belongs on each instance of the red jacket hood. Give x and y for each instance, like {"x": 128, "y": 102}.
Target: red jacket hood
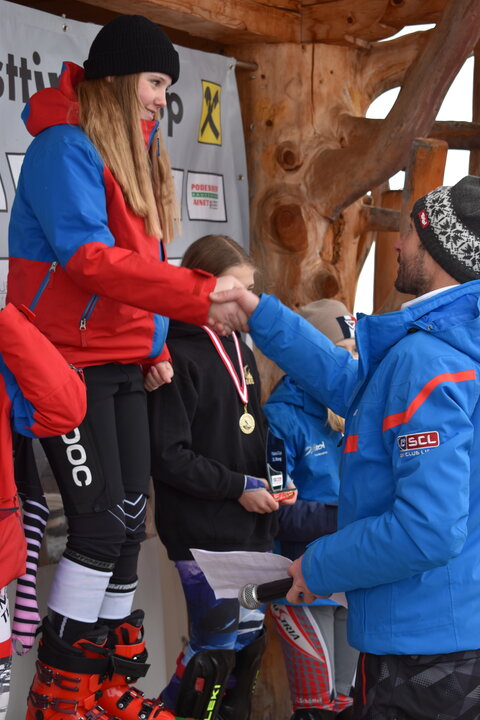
{"x": 58, "y": 106}
{"x": 55, "y": 106}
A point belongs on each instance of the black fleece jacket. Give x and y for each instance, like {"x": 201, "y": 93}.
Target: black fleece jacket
{"x": 199, "y": 454}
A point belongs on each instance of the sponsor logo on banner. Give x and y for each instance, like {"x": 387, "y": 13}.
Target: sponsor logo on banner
{"x": 206, "y": 197}
{"x": 418, "y": 443}
{"x": 210, "y": 130}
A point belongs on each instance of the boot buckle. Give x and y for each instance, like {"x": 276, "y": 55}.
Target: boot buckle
{"x": 48, "y": 676}
{"x": 44, "y": 702}
{"x": 125, "y": 700}
{"x": 96, "y": 713}
{"x": 145, "y": 711}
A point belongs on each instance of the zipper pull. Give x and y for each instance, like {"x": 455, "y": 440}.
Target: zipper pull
{"x": 83, "y": 332}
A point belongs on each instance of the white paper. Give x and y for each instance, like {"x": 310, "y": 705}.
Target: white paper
{"x": 228, "y": 572}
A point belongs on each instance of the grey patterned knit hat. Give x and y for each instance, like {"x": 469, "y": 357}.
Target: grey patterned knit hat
{"x": 448, "y": 223}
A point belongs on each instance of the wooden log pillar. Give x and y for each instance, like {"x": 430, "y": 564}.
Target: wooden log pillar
{"x": 425, "y": 171}
{"x": 385, "y": 265}
{"x": 474, "y": 166}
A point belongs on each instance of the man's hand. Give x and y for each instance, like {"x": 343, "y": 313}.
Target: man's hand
{"x": 299, "y": 593}
{"x": 231, "y": 307}
{"x": 158, "y": 375}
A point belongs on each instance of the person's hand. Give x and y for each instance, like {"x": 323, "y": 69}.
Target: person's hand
{"x": 158, "y": 375}
{"x": 231, "y": 307}
{"x": 227, "y": 282}
{"x": 299, "y": 592}
{"x": 259, "y": 501}
{"x": 247, "y": 300}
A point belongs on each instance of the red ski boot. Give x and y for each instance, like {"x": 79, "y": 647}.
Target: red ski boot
{"x": 119, "y": 697}
{"x": 67, "y": 683}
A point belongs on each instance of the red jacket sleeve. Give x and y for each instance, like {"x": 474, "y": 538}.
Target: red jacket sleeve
{"x": 48, "y": 396}
{"x": 153, "y": 285}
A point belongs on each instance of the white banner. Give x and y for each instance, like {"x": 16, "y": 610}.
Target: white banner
{"x": 201, "y": 124}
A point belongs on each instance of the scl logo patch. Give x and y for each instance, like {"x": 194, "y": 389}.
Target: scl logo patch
{"x": 419, "y": 441}
{"x": 210, "y": 130}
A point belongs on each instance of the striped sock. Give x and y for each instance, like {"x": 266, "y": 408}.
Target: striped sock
{"x": 26, "y": 617}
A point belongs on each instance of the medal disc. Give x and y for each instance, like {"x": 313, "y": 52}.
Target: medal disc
{"x": 247, "y": 423}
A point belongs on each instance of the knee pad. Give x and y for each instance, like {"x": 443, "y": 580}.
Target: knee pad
{"x": 97, "y": 535}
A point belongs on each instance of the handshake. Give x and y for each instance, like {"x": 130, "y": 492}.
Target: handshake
{"x": 232, "y": 305}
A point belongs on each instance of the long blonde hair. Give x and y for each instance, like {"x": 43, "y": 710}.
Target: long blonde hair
{"x": 335, "y": 422}
{"x": 109, "y": 114}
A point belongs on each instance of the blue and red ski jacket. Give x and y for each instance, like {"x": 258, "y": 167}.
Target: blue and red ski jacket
{"x": 408, "y": 549}
{"x": 79, "y": 256}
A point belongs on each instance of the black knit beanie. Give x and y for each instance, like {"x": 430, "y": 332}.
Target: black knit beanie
{"x": 131, "y": 44}
{"x": 448, "y": 223}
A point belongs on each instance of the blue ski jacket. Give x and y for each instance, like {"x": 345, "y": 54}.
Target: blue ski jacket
{"x": 313, "y": 458}
{"x": 407, "y": 551}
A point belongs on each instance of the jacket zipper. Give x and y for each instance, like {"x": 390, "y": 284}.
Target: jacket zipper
{"x": 85, "y": 317}
{"x": 48, "y": 277}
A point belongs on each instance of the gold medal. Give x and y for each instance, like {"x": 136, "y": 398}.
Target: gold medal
{"x": 247, "y": 423}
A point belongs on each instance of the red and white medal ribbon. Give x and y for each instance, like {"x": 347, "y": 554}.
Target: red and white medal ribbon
{"x": 241, "y": 388}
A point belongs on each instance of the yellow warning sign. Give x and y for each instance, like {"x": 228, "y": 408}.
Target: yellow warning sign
{"x": 210, "y": 130}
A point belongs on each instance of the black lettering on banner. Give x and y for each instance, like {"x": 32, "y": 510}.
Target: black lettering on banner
{"x": 22, "y": 70}
{"x": 174, "y": 111}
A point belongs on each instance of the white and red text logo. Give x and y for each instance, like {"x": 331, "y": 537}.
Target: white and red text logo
{"x": 419, "y": 441}
{"x": 423, "y": 217}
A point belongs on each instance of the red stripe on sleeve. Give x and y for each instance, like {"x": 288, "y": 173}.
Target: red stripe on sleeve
{"x": 399, "y": 418}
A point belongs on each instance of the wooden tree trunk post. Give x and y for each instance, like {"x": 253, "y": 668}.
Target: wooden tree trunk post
{"x": 385, "y": 256}
{"x": 474, "y": 167}
{"x": 425, "y": 171}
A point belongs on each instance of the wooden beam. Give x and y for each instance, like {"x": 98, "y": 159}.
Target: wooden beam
{"x": 385, "y": 65}
{"x": 222, "y": 21}
{"x": 382, "y": 219}
{"x": 335, "y": 173}
{"x": 425, "y": 171}
{"x": 458, "y": 134}
{"x": 344, "y": 22}
{"x": 411, "y": 12}
{"x": 474, "y": 165}
{"x": 337, "y": 21}
{"x": 385, "y": 263}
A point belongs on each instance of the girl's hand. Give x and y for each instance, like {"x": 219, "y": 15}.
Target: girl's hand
{"x": 158, "y": 375}
{"x": 259, "y": 501}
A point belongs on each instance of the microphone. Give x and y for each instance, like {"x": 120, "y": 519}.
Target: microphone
{"x": 253, "y": 596}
